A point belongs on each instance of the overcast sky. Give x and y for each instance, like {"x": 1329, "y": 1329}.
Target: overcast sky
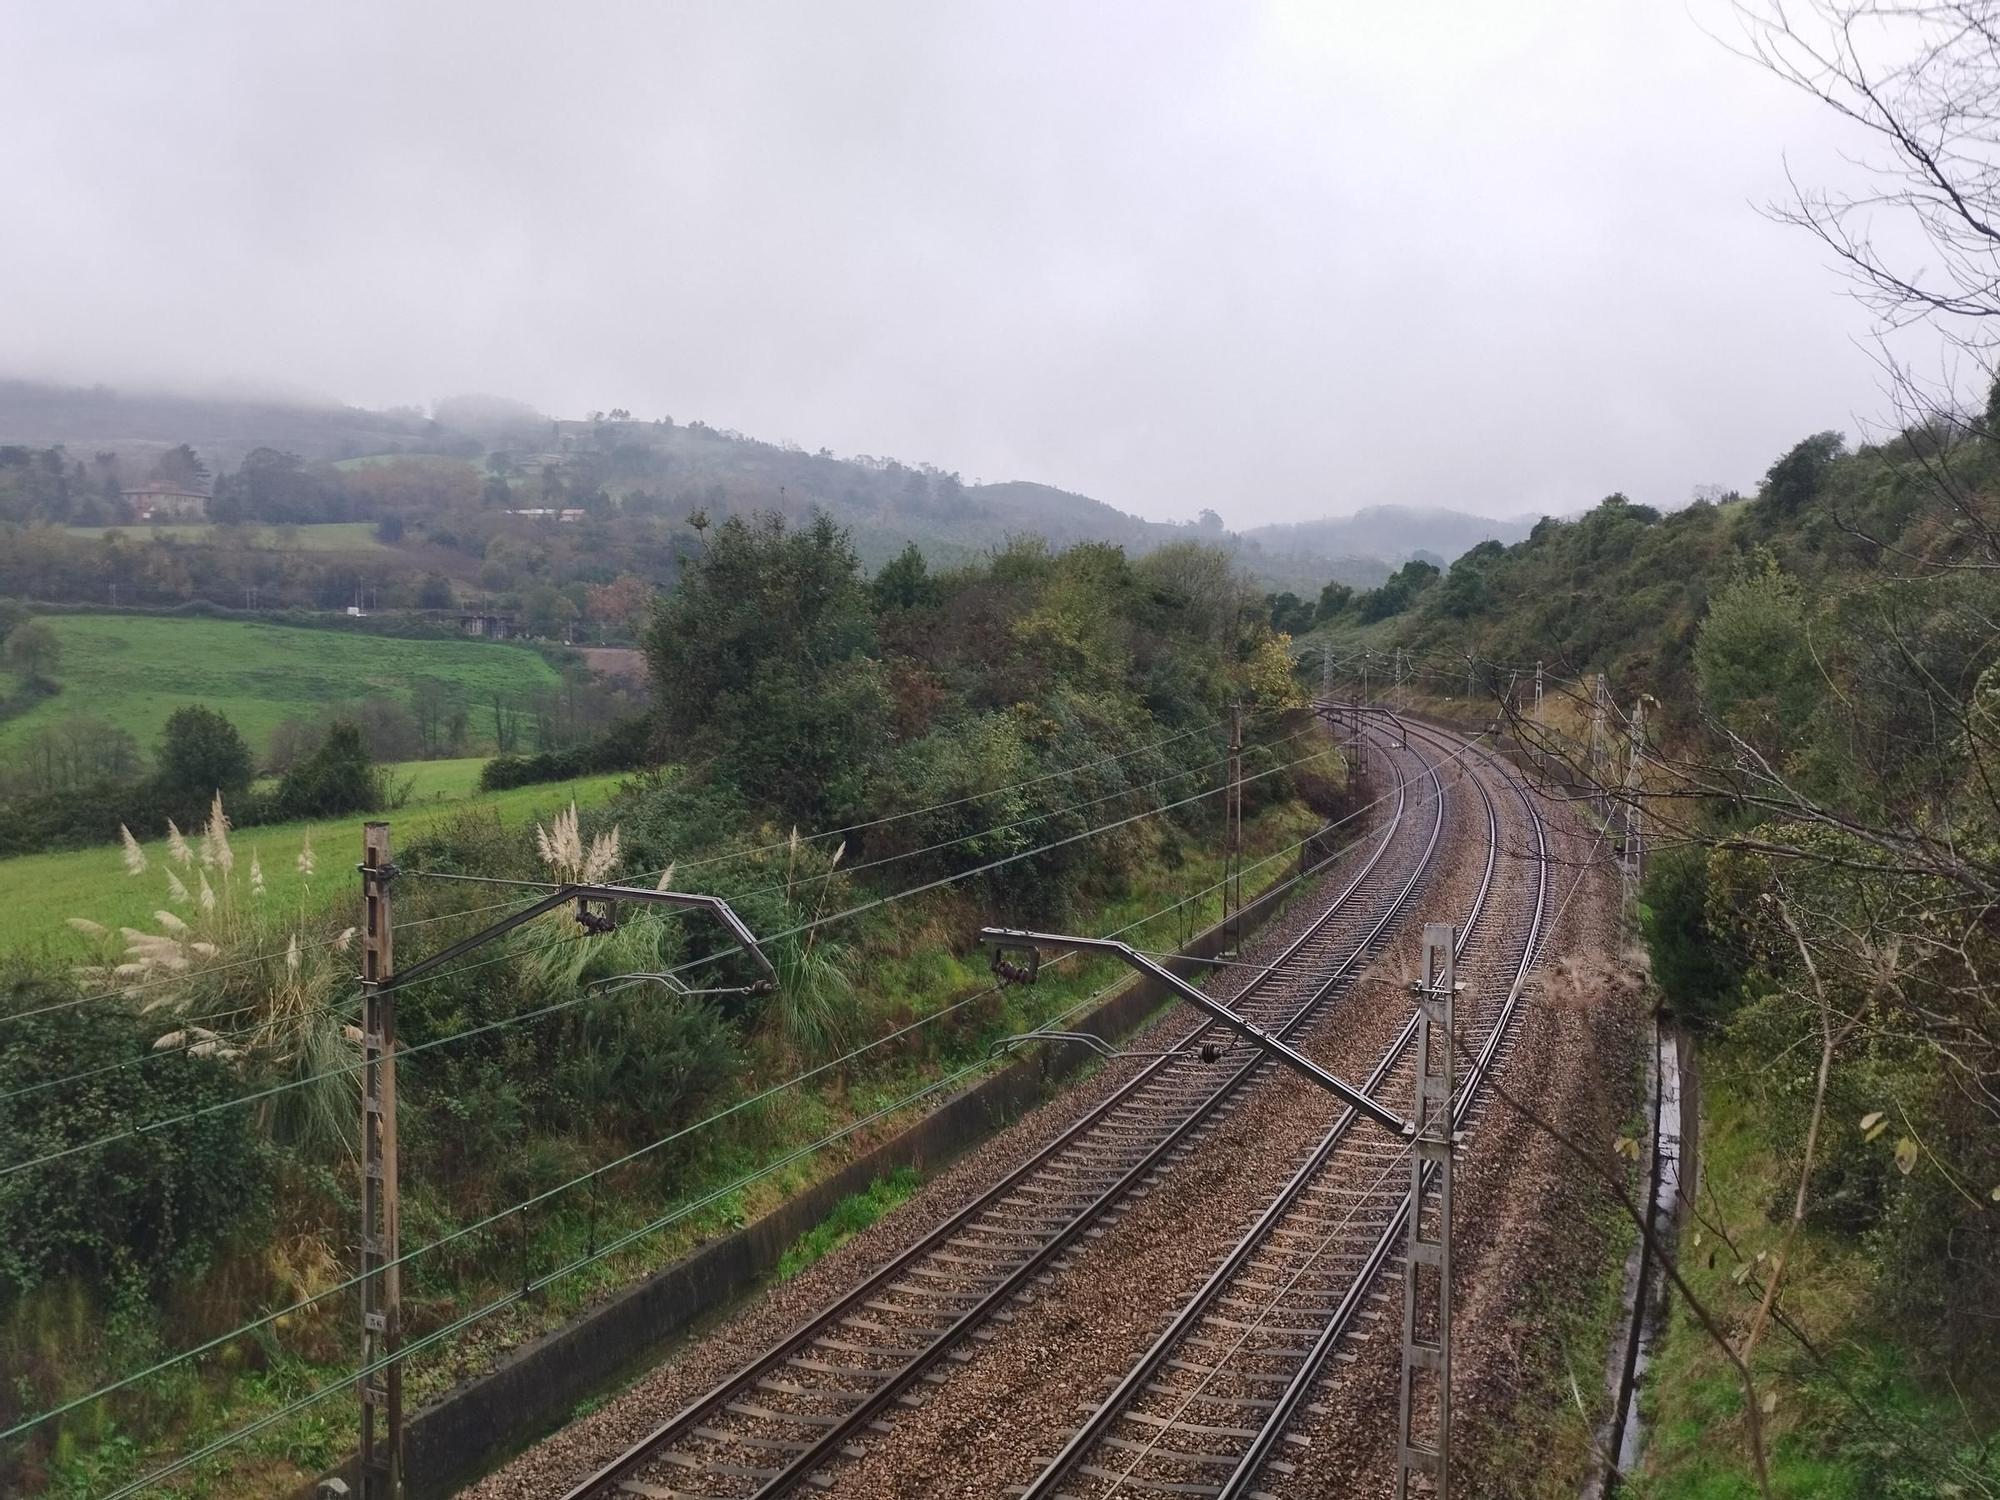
{"x": 1279, "y": 260}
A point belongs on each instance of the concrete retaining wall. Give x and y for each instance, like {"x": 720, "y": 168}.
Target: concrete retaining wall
{"x": 533, "y": 1390}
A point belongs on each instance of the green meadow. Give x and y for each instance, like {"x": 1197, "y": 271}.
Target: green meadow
{"x": 330, "y": 536}
{"x": 40, "y": 892}
{"x": 135, "y": 670}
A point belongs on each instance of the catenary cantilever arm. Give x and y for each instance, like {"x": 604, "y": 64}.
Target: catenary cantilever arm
{"x": 563, "y": 894}
{"x": 1291, "y": 1057}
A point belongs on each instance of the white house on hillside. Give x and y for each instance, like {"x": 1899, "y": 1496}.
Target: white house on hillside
{"x": 157, "y": 500}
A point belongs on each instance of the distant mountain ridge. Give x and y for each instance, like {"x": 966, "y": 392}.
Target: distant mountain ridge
{"x": 1392, "y": 533}
{"x": 886, "y": 503}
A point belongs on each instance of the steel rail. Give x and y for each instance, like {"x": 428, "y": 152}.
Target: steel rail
{"x": 1238, "y": 1485}
{"x": 1108, "y": 1412}
{"x": 1105, "y": 1417}
{"x": 813, "y": 1455}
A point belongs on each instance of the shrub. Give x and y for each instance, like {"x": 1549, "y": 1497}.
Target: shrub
{"x": 1697, "y": 969}
{"x": 625, "y": 746}
{"x": 152, "y": 1206}
{"x": 338, "y": 777}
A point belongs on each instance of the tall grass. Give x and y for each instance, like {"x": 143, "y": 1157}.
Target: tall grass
{"x": 230, "y": 976}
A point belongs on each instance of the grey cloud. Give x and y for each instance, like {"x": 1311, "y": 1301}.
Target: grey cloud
{"x": 1282, "y": 261}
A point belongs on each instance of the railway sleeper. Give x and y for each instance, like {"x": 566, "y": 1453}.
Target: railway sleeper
{"x": 1151, "y": 1486}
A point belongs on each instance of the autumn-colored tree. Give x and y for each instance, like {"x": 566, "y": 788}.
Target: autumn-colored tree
{"x": 625, "y": 603}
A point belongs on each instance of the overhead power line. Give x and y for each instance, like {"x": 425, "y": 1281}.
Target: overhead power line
{"x": 678, "y": 1134}
{"x": 556, "y": 1007}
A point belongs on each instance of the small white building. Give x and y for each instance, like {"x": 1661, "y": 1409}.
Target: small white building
{"x": 160, "y": 501}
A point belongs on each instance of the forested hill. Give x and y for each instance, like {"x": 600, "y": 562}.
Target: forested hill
{"x": 671, "y": 469}
{"x": 1625, "y": 588}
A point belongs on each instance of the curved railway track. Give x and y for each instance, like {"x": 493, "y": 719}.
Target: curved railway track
{"x": 811, "y": 1399}
{"x": 1205, "y": 1410}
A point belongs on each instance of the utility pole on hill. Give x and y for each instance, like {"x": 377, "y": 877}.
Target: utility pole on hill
{"x": 1634, "y": 859}
{"x": 1600, "y": 747}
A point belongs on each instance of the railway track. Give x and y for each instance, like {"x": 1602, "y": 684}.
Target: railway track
{"x": 817, "y": 1395}
{"x": 1205, "y": 1410}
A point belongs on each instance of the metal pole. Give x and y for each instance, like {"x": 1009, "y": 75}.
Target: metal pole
{"x": 1233, "y": 861}
{"x": 1599, "y": 749}
{"x": 1538, "y": 687}
{"x": 1426, "y": 1383}
{"x": 1326, "y": 674}
{"x": 381, "y": 1284}
{"x": 1633, "y": 860}
{"x": 1005, "y": 938}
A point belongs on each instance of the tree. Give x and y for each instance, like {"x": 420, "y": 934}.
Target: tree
{"x": 758, "y": 655}
{"x": 182, "y": 466}
{"x": 33, "y": 650}
{"x": 1273, "y": 676}
{"x": 1334, "y": 598}
{"x": 1753, "y": 662}
{"x": 624, "y": 604}
{"x": 905, "y": 582}
{"x": 1795, "y": 481}
{"x": 1288, "y": 613}
{"x": 1399, "y": 592}
{"x": 271, "y": 486}
{"x": 1695, "y": 969}
{"x": 200, "y": 754}
{"x": 338, "y": 777}
{"x": 434, "y": 592}
{"x": 546, "y": 613}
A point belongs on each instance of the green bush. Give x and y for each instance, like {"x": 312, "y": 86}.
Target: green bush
{"x": 152, "y": 1207}
{"x": 338, "y": 777}
{"x": 625, "y": 746}
{"x": 1698, "y": 971}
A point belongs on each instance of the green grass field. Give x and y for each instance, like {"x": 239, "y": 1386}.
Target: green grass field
{"x": 439, "y": 461}
{"x": 420, "y": 783}
{"x": 135, "y": 670}
{"x": 432, "y": 781}
{"x": 331, "y": 536}
{"x": 40, "y": 892}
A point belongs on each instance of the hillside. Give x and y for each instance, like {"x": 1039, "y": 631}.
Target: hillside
{"x": 355, "y": 464}
{"x": 1813, "y": 782}
{"x": 1390, "y": 533}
